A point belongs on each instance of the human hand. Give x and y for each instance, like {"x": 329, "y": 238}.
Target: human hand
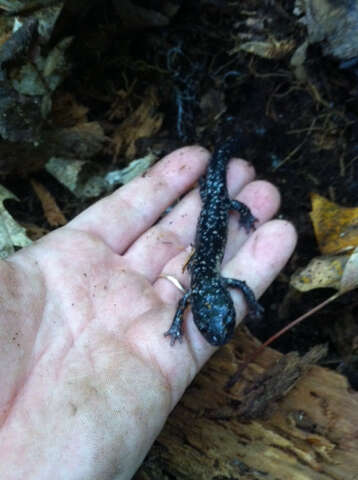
{"x": 87, "y": 376}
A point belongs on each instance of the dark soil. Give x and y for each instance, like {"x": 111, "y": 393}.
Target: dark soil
{"x": 302, "y": 136}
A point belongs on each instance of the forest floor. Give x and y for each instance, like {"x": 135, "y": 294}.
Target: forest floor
{"x": 218, "y": 67}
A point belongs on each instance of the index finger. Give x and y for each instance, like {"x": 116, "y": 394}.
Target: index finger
{"x": 123, "y": 216}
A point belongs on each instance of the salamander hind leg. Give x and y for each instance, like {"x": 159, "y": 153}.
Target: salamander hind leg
{"x": 255, "y": 309}
{"x": 176, "y": 330}
{"x": 247, "y": 220}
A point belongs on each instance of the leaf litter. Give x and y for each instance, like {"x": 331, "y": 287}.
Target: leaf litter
{"x": 100, "y": 102}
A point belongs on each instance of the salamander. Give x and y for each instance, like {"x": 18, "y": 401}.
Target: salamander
{"x": 211, "y": 304}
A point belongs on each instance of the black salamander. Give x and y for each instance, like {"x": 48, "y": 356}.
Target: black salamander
{"x": 211, "y": 303}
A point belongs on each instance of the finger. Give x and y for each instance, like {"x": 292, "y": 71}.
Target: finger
{"x": 258, "y": 262}
{"x": 121, "y": 217}
{"x": 261, "y": 197}
{"x": 264, "y": 200}
{"x": 261, "y": 258}
{"x": 176, "y": 231}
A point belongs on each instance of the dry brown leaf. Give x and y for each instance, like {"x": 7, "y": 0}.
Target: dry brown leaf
{"x": 122, "y": 104}
{"x": 52, "y": 212}
{"x": 271, "y": 48}
{"x": 67, "y": 112}
{"x": 145, "y": 121}
{"x": 34, "y": 232}
{"x": 336, "y": 227}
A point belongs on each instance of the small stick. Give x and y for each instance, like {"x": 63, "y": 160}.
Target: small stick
{"x": 237, "y": 375}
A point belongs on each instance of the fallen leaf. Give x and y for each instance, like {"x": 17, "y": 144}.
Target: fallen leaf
{"x": 331, "y": 271}
{"x": 271, "y": 48}
{"x": 145, "y": 121}
{"x": 66, "y": 111}
{"x": 79, "y": 176}
{"x": 52, "y": 212}
{"x": 11, "y": 233}
{"x": 349, "y": 279}
{"x": 134, "y": 169}
{"x": 336, "y": 230}
{"x": 335, "y": 227}
{"x": 82, "y": 141}
{"x": 122, "y": 104}
{"x": 85, "y": 181}
{"x": 334, "y": 24}
{"x": 321, "y": 272}
{"x": 34, "y": 232}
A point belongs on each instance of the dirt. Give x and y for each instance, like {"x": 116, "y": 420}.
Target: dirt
{"x": 301, "y": 135}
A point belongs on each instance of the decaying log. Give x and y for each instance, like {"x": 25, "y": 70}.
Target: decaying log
{"x": 311, "y": 433}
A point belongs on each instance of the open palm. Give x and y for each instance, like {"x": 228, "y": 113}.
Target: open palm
{"x": 87, "y": 377}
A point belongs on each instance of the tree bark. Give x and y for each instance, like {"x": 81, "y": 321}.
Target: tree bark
{"x": 309, "y": 433}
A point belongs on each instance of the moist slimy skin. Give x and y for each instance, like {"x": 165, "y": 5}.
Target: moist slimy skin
{"x": 212, "y": 307}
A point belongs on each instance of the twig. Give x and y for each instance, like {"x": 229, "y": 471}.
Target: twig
{"x": 274, "y": 337}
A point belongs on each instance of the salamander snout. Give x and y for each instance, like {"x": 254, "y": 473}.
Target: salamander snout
{"x": 214, "y": 315}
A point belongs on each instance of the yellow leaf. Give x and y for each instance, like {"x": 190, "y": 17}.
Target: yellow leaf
{"x": 330, "y": 271}
{"x": 336, "y": 227}
{"x": 321, "y": 272}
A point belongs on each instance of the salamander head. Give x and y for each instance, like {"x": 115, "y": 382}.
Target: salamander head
{"x": 214, "y": 313}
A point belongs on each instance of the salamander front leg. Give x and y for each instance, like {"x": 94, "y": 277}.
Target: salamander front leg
{"x": 255, "y": 309}
{"x": 247, "y": 220}
{"x": 175, "y": 331}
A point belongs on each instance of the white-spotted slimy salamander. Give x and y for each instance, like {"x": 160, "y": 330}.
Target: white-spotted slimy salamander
{"x": 211, "y": 303}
